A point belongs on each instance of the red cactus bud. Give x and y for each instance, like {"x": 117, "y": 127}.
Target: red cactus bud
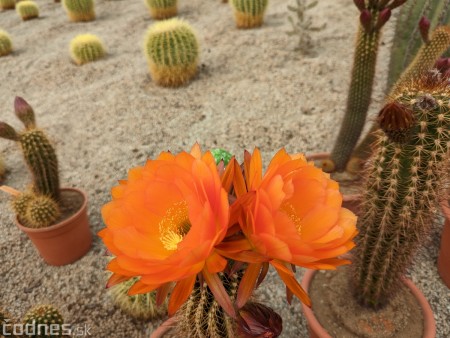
{"x": 383, "y": 17}
{"x": 366, "y": 20}
{"x": 442, "y": 64}
{"x": 360, "y": 4}
{"x": 424, "y": 28}
{"x": 259, "y": 321}
{"x": 396, "y": 3}
{"x": 396, "y": 121}
{"x": 8, "y": 132}
{"x": 24, "y": 112}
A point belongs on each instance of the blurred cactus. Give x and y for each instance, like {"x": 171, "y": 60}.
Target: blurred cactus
{"x": 373, "y": 16}
{"x": 2, "y": 169}
{"x": 402, "y": 186}
{"x": 7, "y": 4}
{"x": 47, "y": 322}
{"x": 5, "y": 43}
{"x": 172, "y": 52}
{"x": 27, "y": 10}
{"x": 162, "y": 9}
{"x": 80, "y": 10}
{"x": 86, "y": 48}
{"x": 249, "y": 13}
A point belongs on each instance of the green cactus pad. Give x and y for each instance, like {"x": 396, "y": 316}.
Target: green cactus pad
{"x": 47, "y": 321}
{"x": 7, "y": 4}
{"x": 86, "y": 48}
{"x": 249, "y": 13}
{"x": 80, "y": 10}
{"x": 27, "y": 10}
{"x": 162, "y": 9}
{"x": 41, "y": 212}
{"x": 5, "y": 43}
{"x": 172, "y": 52}
{"x": 221, "y": 154}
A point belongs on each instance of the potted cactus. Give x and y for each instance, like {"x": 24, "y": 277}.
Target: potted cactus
{"x": 54, "y": 218}
{"x": 401, "y": 197}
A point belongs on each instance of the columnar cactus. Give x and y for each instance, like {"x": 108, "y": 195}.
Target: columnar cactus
{"x": 7, "y": 4}
{"x": 162, "y": 9}
{"x": 402, "y": 185}
{"x": 249, "y": 13}
{"x": 5, "y": 43}
{"x": 27, "y": 10}
{"x": 80, "y": 10}
{"x": 86, "y": 48}
{"x": 47, "y": 322}
{"x": 141, "y": 306}
{"x": 172, "y": 52}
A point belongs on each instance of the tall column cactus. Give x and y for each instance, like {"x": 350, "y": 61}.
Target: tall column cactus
{"x": 402, "y": 186}
{"x": 374, "y": 15}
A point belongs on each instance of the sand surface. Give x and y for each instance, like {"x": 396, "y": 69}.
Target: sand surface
{"x": 253, "y": 89}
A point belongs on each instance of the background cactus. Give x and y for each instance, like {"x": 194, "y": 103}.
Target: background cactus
{"x": 249, "y": 13}
{"x": 27, "y": 10}
{"x": 44, "y": 315}
{"x": 141, "y": 306}
{"x": 7, "y": 4}
{"x": 172, "y": 52}
{"x": 162, "y": 9}
{"x": 402, "y": 185}
{"x": 80, "y": 10}
{"x": 5, "y": 43}
{"x": 86, "y": 48}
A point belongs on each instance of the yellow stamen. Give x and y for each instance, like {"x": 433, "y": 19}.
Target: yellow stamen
{"x": 174, "y": 225}
{"x": 288, "y": 208}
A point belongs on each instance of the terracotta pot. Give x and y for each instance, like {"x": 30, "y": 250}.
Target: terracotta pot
{"x": 317, "y": 331}
{"x": 65, "y": 242}
{"x": 444, "y": 252}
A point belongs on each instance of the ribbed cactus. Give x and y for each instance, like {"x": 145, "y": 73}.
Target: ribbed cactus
{"x": 86, "y": 48}
{"x": 402, "y": 184}
{"x": 5, "y": 43}
{"x": 162, "y": 9}
{"x": 20, "y": 204}
{"x": 38, "y": 152}
{"x": 27, "y": 10}
{"x": 7, "y": 4}
{"x": 80, "y": 10}
{"x": 141, "y": 306}
{"x": 202, "y": 316}
{"x": 249, "y": 13}
{"x": 42, "y": 317}
{"x": 172, "y": 52}
{"x": 41, "y": 212}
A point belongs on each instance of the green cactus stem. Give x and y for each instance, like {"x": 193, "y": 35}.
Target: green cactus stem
{"x": 80, "y": 10}
{"x": 162, "y": 9}
{"x": 27, "y": 10}
{"x": 7, "y": 4}
{"x": 172, "y": 52}
{"x": 86, "y": 48}
{"x": 47, "y": 322}
{"x": 401, "y": 189}
{"x": 249, "y": 13}
{"x": 5, "y": 43}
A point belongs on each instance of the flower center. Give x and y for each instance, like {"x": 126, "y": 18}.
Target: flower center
{"x": 174, "y": 225}
{"x": 288, "y": 208}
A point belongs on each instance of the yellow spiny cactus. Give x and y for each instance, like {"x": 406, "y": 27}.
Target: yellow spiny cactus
{"x": 5, "y": 43}
{"x": 249, "y": 13}
{"x": 162, "y": 9}
{"x": 86, "y": 48}
{"x": 80, "y": 10}
{"x": 7, "y": 4}
{"x": 27, "y": 10}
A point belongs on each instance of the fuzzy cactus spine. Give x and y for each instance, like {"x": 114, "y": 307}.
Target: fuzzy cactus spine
{"x": 5, "y": 43}
{"x": 86, "y": 48}
{"x": 172, "y": 52}
{"x": 162, "y": 9}
{"x": 80, "y": 10}
{"x": 249, "y": 13}
{"x": 47, "y": 321}
{"x": 27, "y": 10}
{"x": 402, "y": 185}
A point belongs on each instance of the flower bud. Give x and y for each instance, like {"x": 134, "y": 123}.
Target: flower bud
{"x": 259, "y": 321}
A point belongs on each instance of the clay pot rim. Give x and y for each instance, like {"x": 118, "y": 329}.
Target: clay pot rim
{"x": 429, "y": 323}
{"x": 63, "y": 222}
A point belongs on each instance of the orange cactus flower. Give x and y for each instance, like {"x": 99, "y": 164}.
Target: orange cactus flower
{"x": 292, "y": 215}
{"x": 163, "y": 225}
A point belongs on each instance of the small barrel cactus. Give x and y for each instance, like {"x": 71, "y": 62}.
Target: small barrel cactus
{"x": 162, "y": 9}
{"x": 5, "y": 43}
{"x": 141, "y": 306}
{"x": 172, "y": 52}
{"x": 27, "y": 10}
{"x": 7, "y": 4}
{"x": 86, "y": 48}
{"x": 41, "y": 212}
{"x": 80, "y": 10}
{"x": 20, "y": 204}
{"x": 47, "y": 322}
{"x": 249, "y": 13}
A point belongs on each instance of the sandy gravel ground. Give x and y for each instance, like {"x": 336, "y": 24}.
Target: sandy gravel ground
{"x": 253, "y": 89}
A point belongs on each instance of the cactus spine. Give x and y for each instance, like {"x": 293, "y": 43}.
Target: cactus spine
{"x": 27, "y": 10}
{"x": 47, "y": 321}
{"x": 172, "y": 52}
{"x": 162, "y": 9}
{"x": 7, "y": 4}
{"x": 202, "y": 316}
{"x": 5, "y": 43}
{"x": 402, "y": 185}
{"x": 86, "y": 48}
{"x": 249, "y": 13}
{"x": 80, "y": 10}
{"x": 41, "y": 212}
{"x": 20, "y": 204}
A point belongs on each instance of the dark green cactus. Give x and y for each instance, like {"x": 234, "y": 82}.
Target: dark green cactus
{"x": 47, "y": 322}
{"x": 402, "y": 185}
{"x": 374, "y": 15}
